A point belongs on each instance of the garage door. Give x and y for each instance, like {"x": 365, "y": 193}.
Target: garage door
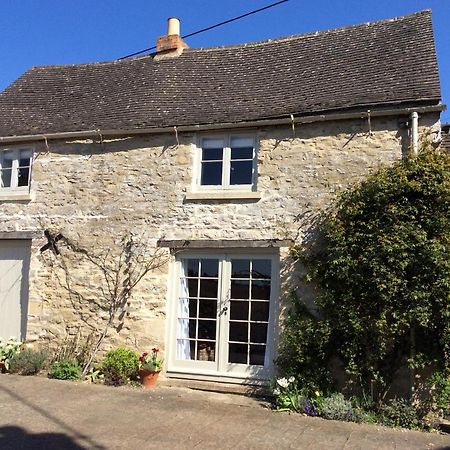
{"x": 14, "y": 267}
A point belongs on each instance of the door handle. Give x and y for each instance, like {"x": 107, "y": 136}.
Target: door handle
{"x": 224, "y": 309}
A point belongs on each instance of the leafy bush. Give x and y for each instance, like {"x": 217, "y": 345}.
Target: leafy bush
{"x": 439, "y": 383}
{"x": 400, "y": 413}
{"x": 66, "y": 369}
{"x": 28, "y": 362}
{"x": 336, "y": 407}
{"x": 383, "y": 273}
{"x": 8, "y": 349}
{"x": 289, "y": 397}
{"x": 305, "y": 349}
{"x": 120, "y": 365}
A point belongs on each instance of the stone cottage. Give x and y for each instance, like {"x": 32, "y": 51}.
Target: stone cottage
{"x": 215, "y": 158}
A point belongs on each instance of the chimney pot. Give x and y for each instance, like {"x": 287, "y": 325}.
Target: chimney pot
{"x": 173, "y": 26}
{"x": 171, "y": 45}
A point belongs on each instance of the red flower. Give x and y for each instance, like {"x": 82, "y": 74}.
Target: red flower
{"x": 155, "y": 350}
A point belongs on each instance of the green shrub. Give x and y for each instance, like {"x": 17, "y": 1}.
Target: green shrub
{"x": 305, "y": 349}
{"x": 382, "y": 273}
{"x": 120, "y": 365}
{"x": 28, "y": 362}
{"x": 439, "y": 383}
{"x": 66, "y": 369}
{"x": 336, "y": 407}
{"x": 400, "y": 413}
{"x": 8, "y": 349}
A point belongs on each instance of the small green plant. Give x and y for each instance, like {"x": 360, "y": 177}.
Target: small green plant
{"x": 120, "y": 365}
{"x": 400, "y": 413}
{"x": 336, "y": 407}
{"x": 151, "y": 362}
{"x": 28, "y": 362}
{"x": 94, "y": 375}
{"x": 8, "y": 349}
{"x": 439, "y": 384}
{"x": 290, "y": 397}
{"x": 66, "y": 369}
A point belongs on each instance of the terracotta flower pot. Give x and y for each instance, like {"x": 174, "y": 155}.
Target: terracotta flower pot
{"x": 148, "y": 378}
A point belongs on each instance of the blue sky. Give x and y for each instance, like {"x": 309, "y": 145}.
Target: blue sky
{"x": 43, "y": 32}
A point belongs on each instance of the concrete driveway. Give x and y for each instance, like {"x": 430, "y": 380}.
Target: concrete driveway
{"x": 37, "y": 413}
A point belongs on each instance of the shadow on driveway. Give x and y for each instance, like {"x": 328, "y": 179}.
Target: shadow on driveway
{"x": 12, "y": 437}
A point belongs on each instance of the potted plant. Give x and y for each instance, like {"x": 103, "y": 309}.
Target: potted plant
{"x": 7, "y": 350}
{"x": 150, "y": 364}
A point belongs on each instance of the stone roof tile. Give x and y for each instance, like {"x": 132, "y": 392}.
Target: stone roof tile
{"x": 383, "y": 63}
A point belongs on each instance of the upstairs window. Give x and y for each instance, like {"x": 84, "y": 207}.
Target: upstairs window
{"x": 227, "y": 162}
{"x": 15, "y": 169}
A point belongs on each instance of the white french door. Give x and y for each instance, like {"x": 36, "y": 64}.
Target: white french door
{"x": 223, "y": 321}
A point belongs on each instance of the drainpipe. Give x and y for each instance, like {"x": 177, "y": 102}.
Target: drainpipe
{"x": 414, "y": 133}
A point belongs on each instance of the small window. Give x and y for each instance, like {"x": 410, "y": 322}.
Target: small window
{"x": 227, "y": 162}
{"x": 15, "y": 169}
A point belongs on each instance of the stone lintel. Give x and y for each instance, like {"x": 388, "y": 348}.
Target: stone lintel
{"x": 20, "y": 234}
{"x": 210, "y": 244}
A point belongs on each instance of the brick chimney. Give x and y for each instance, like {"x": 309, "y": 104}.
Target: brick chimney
{"x": 171, "y": 45}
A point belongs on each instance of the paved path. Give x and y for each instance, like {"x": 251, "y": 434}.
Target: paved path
{"x": 37, "y": 413}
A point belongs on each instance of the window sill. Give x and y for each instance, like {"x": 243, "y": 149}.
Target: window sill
{"x": 223, "y": 195}
{"x": 15, "y": 196}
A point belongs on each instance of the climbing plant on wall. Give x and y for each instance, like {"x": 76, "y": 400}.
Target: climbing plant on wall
{"x": 382, "y": 268}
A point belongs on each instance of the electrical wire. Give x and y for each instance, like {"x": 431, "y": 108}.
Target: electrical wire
{"x": 210, "y": 28}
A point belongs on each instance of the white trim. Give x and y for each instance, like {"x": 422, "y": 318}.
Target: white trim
{"x": 15, "y": 192}
{"x": 223, "y": 195}
{"x": 225, "y": 185}
{"x": 220, "y": 368}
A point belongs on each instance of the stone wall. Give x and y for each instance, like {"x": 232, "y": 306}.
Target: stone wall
{"x": 94, "y": 193}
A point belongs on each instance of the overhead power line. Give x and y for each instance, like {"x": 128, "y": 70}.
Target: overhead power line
{"x": 211, "y": 27}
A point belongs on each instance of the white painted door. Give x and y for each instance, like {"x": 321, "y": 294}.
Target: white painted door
{"x": 224, "y": 318}
{"x": 14, "y": 267}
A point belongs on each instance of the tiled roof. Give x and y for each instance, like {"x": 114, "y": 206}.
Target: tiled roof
{"x": 382, "y": 63}
{"x": 445, "y": 143}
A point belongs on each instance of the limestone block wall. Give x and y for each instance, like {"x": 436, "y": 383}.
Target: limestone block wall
{"x": 94, "y": 193}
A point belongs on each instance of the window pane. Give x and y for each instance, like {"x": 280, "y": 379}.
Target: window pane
{"x": 261, "y": 268}
{"x": 211, "y": 174}
{"x": 210, "y": 268}
{"x": 6, "y": 177}
{"x": 241, "y": 172}
{"x": 192, "y": 307}
{"x": 7, "y": 159}
{"x": 192, "y": 267}
{"x": 238, "y": 310}
{"x": 261, "y": 290}
{"x": 260, "y": 311}
{"x": 212, "y": 143}
{"x": 23, "y": 175}
{"x": 207, "y": 329}
{"x": 185, "y": 349}
{"x": 237, "y": 353}
{"x": 257, "y": 353}
{"x": 211, "y": 154}
{"x": 208, "y": 309}
{"x": 240, "y": 289}
{"x": 206, "y": 351}
{"x": 193, "y": 287}
{"x": 208, "y": 288}
{"x": 238, "y": 332}
{"x": 240, "y": 268}
{"x": 24, "y": 158}
{"x": 258, "y": 332}
{"x": 242, "y": 153}
{"x": 192, "y": 328}
{"x": 242, "y": 142}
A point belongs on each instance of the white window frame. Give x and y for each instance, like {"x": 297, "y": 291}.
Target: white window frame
{"x": 220, "y": 370}
{"x": 226, "y": 164}
{"x": 14, "y": 188}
